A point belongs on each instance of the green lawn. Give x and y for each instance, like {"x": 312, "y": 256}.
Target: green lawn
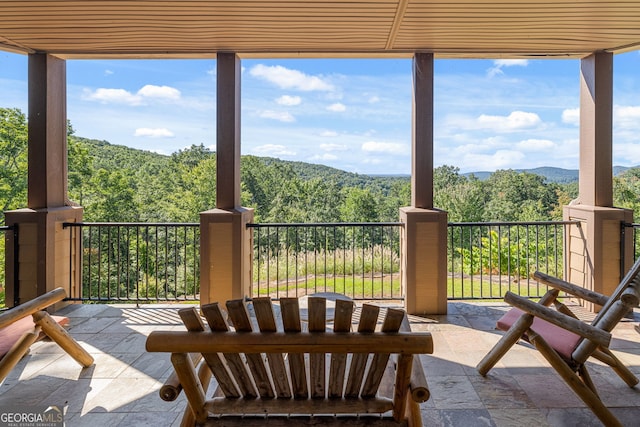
{"x": 356, "y": 287}
{"x": 378, "y": 286}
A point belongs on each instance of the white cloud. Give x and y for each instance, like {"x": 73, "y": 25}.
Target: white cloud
{"x": 337, "y": 107}
{"x": 374, "y": 99}
{"x": 122, "y": 96}
{"x": 630, "y": 152}
{"x": 289, "y": 100}
{"x": 511, "y": 62}
{"x": 286, "y": 78}
{"x": 325, "y": 156}
{"x": 384, "y": 147}
{"x": 164, "y": 92}
{"x": 627, "y": 116}
{"x": 571, "y": 116}
{"x": 154, "y": 132}
{"x": 501, "y": 159}
{"x": 118, "y": 96}
{"x": 535, "y": 145}
{"x": 499, "y": 64}
{"x": 333, "y": 147}
{"x": 108, "y": 72}
{"x": 624, "y": 116}
{"x": 517, "y": 120}
{"x": 273, "y": 150}
{"x": 282, "y": 116}
{"x": 372, "y": 161}
{"x": 329, "y": 133}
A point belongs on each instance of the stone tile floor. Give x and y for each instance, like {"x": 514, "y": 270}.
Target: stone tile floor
{"x": 121, "y": 389}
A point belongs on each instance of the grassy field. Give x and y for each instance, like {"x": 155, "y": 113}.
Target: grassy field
{"x": 368, "y": 287}
{"x": 387, "y": 286}
{"x": 475, "y": 287}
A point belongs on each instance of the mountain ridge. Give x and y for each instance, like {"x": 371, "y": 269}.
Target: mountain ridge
{"x": 313, "y": 170}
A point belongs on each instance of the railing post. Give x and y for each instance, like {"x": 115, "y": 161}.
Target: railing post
{"x": 16, "y": 267}
{"x": 628, "y": 248}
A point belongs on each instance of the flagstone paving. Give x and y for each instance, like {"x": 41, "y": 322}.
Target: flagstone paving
{"x": 121, "y": 389}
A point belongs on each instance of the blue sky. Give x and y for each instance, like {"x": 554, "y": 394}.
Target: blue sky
{"x": 351, "y": 114}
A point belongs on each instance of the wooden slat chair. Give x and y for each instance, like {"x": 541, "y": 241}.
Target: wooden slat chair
{"x": 284, "y": 370}
{"x": 566, "y": 342}
{"x": 21, "y": 326}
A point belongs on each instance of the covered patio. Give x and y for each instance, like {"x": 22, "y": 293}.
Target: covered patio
{"x": 121, "y": 389}
{"x": 52, "y": 33}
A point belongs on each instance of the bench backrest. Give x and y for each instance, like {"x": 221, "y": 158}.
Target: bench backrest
{"x": 272, "y": 362}
{"x": 269, "y": 378}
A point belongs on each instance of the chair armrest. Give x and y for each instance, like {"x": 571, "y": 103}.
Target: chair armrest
{"x": 418, "y": 384}
{"x": 596, "y": 335}
{"x": 32, "y": 306}
{"x": 570, "y": 288}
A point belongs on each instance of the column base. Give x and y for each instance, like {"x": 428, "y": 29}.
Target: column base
{"x": 47, "y": 256}
{"x": 424, "y": 260}
{"x": 226, "y": 254}
{"x": 593, "y": 250}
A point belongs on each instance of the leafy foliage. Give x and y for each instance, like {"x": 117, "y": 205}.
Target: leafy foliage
{"x": 118, "y": 183}
{"x": 13, "y": 161}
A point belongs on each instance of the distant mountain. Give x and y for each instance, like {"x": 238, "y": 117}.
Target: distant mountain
{"x": 551, "y": 174}
{"x": 108, "y": 156}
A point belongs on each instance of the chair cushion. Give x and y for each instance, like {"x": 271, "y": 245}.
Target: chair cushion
{"x": 9, "y": 335}
{"x": 562, "y": 341}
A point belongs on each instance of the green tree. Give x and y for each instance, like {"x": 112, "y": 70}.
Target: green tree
{"x": 399, "y": 195}
{"x": 199, "y": 187}
{"x": 463, "y": 198}
{"x": 80, "y": 167}
{"x": 626, "y": 189}
{"x": 360, "y": 205}
{"x": 518, "y": 196}
{"x": 111, "y": 197}
{"x": 13, "y": 161}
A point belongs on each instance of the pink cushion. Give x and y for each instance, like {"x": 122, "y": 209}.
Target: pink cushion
{"x": 9, "y": 335}
{"x": 561, "y": 340}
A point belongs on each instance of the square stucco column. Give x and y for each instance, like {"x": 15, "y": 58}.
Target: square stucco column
{"x": 424, "y": 260}
{"x": 226, "y": 254}
{"x": 593, "y": 251}
{"x": 48, "y": 254}
{"x": 594, "y": 248}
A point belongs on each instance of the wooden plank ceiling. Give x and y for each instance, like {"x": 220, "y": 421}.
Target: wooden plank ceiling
{"x": 313, "y": 28}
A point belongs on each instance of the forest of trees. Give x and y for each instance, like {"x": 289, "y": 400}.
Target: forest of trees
{"x": 117, "y": 183}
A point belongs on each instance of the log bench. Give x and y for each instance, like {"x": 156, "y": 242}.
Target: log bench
{"x": 26, "y": 323}
{"x": 274, "y": 367}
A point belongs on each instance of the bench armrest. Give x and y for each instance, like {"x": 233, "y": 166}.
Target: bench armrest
{"x": 596, "y": 335}
{"x": 25, "y": 309}
{"x": 570, "y": 288}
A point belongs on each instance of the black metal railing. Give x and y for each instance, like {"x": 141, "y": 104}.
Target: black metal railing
{"x": 488, "y": 259}
{"x": 3, "y": 276}
{"x": 361, "y": 260}
{"x": 634, "y": 229}
{"x": 160, "y": 262}
{"x": 137, "y": 262}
